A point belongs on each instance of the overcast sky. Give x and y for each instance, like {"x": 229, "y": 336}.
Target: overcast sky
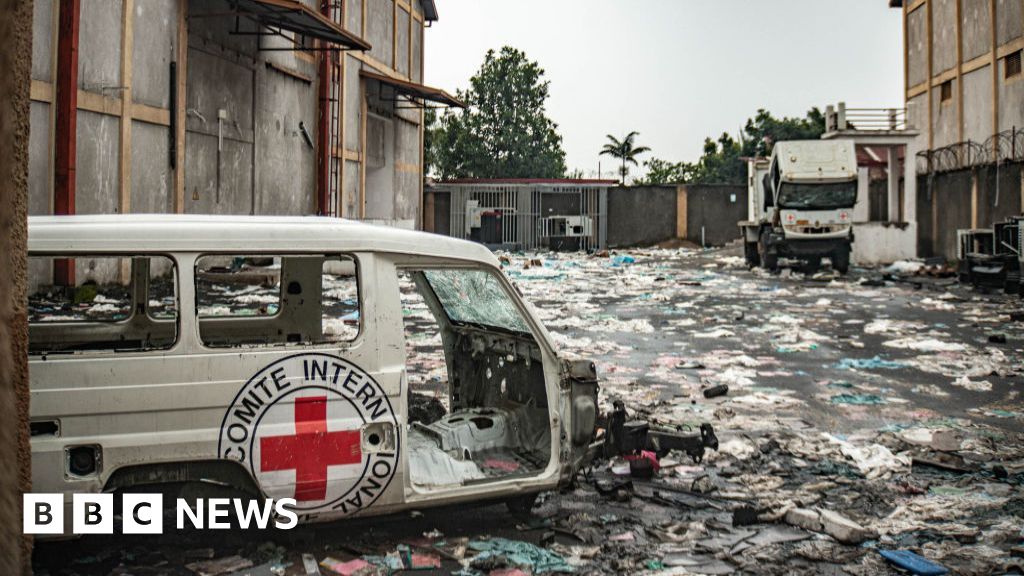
{"x": 677, "y": 70}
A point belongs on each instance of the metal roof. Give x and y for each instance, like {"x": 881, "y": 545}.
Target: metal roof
{"x": 167, "y": 233}
{"x": 429, "y": 10}
{"x": 413, "y": 90}
{"x": 295, "y": 16}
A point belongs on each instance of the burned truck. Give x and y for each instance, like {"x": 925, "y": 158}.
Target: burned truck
{"x": 290, "y": 358}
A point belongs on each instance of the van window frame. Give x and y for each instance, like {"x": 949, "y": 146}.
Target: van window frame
{"x": 341, "y": 344}
{"x": 79, "y": 254}
{"x": 536, "y": 329}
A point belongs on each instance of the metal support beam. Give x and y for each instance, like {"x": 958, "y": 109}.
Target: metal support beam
{"x": 66, "y": 102}
{"x": 323, "y": 157}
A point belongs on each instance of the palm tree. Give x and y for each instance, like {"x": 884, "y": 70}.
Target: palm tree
{"x": 624, "y": 150}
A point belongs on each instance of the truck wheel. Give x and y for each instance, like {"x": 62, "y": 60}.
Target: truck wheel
{"x": 841, "y": 261}
{"x": 811, "y": 265}
{"x": 769, "y": 259}
{"x": 751, "y": 254}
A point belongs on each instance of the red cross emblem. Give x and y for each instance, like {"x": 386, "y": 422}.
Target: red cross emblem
{"x": 311, "y": 450}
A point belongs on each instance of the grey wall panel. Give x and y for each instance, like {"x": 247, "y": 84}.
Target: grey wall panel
{"x": 978, "y": 104}
{"x": 285, "y": 163}
{"x": 354, "y": 16}
{"x": 1009, "y": 20}
{"x": 98, "y": 170}
{"x": 402, "y": 54}
{"x": 42, "y": 42}
{"x": 417, "y": 56}
{"x": 380, "y": 18}
{"x": 152, "y": 177}
{"x": 945, "y": 120}
{"x": 943, "y": 35}
{"x": 99, "y": 47}
{"x": 40, "y": 166}
{"x": 353, "y": 105}
{"x": 976, "y": 24}
{"x": 155, "y": 45}
{"x": 917, "y": 46}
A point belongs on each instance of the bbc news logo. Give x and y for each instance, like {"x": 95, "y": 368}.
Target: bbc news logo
{"x": 144, "y": 513}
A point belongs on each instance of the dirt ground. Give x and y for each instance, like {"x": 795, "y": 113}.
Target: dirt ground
{"x": 878, "y": 411}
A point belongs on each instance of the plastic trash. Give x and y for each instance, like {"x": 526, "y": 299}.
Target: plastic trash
{"x": 913, "y": 563}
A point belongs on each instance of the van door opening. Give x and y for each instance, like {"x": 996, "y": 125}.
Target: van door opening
{"x": 476, "y": 388}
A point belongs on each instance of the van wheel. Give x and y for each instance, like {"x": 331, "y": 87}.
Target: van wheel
{"x": 522, "y": 504}
{"x": 751, "y": 254}
{"x": 841, "y": 261}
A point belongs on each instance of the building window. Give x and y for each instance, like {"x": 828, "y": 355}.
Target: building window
{"x": 946, "y": 91}
{"x": 1011, "y": 65}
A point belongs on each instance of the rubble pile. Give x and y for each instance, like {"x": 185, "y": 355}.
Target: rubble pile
{"x": 868, "y": 424}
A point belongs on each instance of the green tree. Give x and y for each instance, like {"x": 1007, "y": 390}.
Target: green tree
{"x": 625, "y": 150}
{"x": 664, "y": 172}
{"x": 722, "y": 161}
{"x": 504, "y": 132}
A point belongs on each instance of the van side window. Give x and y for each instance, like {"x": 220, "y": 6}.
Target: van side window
{"x": 120, "y": 303}
{"x": 266, "y": 300}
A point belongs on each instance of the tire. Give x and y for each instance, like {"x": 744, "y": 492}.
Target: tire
{"x": 841, "y": 261}
{"x": 769, "y": 259}
{"x": 751, "y": 254}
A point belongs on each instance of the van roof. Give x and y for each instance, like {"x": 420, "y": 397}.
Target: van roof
{"x": 127, "y": 233}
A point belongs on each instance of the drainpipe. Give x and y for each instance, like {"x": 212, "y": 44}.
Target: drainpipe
{"x": 66, "y": 129}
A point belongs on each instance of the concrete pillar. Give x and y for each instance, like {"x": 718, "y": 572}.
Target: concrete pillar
{"x": 894, "y": 185}
{"x": 862, "y": 209}
{"x": 910, "y": 184}
{"x": 15, "y": 475}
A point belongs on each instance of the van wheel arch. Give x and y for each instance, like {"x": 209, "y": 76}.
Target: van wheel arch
{"x": 220, "y": 473}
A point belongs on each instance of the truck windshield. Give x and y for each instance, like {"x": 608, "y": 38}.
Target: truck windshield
{"x": 818, "y": 196}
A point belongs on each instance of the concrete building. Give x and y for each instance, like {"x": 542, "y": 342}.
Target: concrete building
{"x": 962, "y": 66}
{"x": 230, "y": 107}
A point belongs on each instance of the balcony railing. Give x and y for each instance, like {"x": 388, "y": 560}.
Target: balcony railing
{"x": 839, "y": 118}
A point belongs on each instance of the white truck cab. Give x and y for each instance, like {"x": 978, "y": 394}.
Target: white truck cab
{"x": 357, "y": 369}
{"x": 801, "y": 204}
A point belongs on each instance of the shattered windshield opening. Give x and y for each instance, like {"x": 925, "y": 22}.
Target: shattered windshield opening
{"x": 825, "y": 196}
{"x": 475, "y": 297}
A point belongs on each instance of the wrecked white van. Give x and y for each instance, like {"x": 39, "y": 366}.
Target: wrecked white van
{"x": 357, "y": 369}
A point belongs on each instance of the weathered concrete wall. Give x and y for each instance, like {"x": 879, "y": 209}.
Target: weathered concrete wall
{"x": 1011, "y": 100}
{"x": 977, "y": 25}
{"x": 917, "y": 39}
{"x": 878, "y": 243}
{"x": 1009, "y": 20}
{"x": 945, "y": 204}
{"x": 716, "y": 209}
{"x": 380, "y": 17}
{"x": 641, "y": 215}
{"x": 943, "y": 35}
{"x": 264, "y": 165}
{"x": 978, "y": 105}
{"x": 945, "y": 119}
{"x": 15, "y": 475}
{"x": 999, "y": 193}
